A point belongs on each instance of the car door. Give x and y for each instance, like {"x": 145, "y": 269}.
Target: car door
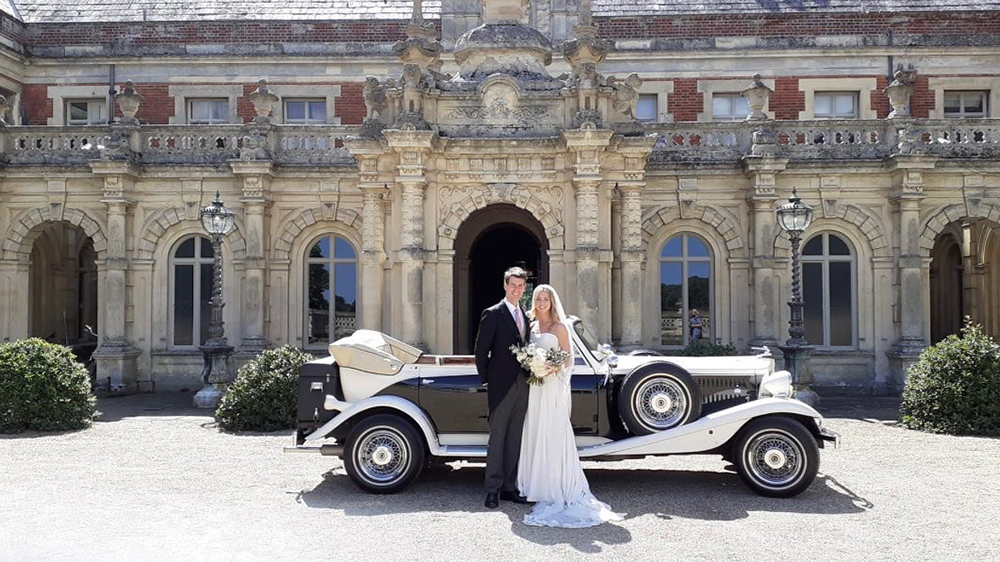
{"x": 455, "y": 399}
{"x": 584, "y": 397}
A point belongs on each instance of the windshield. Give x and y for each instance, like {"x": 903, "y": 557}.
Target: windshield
{"x": 588, "y": 339}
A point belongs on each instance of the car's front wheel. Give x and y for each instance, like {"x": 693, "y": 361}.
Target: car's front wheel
{"x": 383, "y": 454}
{"x": 776, "y": 457}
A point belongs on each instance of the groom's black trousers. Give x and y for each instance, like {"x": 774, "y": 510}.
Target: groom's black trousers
{"x": 506, "y": 426}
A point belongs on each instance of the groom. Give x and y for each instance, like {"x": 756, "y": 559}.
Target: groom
{"x": 501, "y": 326}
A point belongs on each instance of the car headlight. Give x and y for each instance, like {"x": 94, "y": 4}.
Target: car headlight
{"x": 777, "y": 384}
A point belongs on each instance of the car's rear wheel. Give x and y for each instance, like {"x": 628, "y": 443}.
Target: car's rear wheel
{"x": 776, "y": 457}
{"x": 383, "y": 454}
{"x": 657, "y": 397}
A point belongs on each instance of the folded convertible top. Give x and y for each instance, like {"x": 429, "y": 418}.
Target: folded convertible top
{"x": 374, "y": 352}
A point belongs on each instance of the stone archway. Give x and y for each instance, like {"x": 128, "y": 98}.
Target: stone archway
{"x": 489, "y": 241}
{"x": 62, "y": 285}
{"x": 946, "y": 286}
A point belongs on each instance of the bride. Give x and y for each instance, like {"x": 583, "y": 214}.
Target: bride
{"x": 549, "y": 471}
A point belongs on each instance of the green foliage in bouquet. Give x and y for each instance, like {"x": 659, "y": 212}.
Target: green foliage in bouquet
{"x": 43, "y": 387}
{"x": 955, "y": 386}
{"x": 263, "y": 396}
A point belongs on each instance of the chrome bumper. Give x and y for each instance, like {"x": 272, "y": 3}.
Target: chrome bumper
{"x": 830, "y": 436}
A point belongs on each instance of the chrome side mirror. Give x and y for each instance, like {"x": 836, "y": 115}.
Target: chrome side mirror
{"x": 612, "y": 360}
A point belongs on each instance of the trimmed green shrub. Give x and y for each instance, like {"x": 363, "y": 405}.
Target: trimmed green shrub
{"x": 955, "y": 386}
{"x": 43, "y": 387}
{"x": 708, "y": 349}
{"x": 263, "y": 396}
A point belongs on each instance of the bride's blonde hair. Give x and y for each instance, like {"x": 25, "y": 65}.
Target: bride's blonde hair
{"x": 553, "y": 310}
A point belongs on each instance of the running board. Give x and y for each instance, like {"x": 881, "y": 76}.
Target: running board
{"x": 464, "y": 451}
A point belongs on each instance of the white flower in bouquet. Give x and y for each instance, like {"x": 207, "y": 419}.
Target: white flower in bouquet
{"x": 538, "y": 361}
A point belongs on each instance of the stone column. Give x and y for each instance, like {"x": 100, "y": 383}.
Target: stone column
{"x": 256, "y": 179}
{"x": 632, "y": 258}
{"x": 588, "y": 145}
{"x": 372, "y": 254}
{"x": 115, "y": 356}
{"x": 766, "y": 316}
{"x": 908, "y": 192}
{"x": 413, "y": 148}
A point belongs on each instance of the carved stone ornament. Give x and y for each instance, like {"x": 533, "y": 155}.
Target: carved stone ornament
{"x": 626, "y": 94}
{"x": 128, "y": 101}
{"x": 5, "y": 106}
{"x": 899, "y": 92}
{"x": 756, "y": 95}
{"x": 263, "y": 100}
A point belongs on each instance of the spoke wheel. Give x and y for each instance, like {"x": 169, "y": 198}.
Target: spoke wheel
{"x": 776, "y": 456}
{"x": 657, "y": 397}
{"x": 384, "y": 454}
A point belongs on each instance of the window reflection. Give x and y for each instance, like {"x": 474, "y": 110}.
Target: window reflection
{"x": 685, "y": 291}
{"x": 828, "y": 291}
{"x": 331, "y": 281}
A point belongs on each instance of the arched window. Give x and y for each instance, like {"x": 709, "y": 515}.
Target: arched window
{"x": 829, "y": 291}
{"x": 331, "y": 270}
{"x": 685, "y": 291}
{"x": 191, "y": 291}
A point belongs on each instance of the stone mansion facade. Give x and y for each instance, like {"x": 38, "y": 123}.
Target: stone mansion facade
{"x": 400, "y": 155}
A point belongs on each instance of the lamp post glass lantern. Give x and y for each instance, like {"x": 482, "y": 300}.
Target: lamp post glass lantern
{"x": 794, "y": 218}
{"x": 218, "y": 220}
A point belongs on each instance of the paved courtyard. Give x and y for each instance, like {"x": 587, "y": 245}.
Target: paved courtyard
{"x": 155, "y": 480}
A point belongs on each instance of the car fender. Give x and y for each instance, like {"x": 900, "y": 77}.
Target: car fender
{"x": 703, "y": 434}
{"x": 403, "y": 406}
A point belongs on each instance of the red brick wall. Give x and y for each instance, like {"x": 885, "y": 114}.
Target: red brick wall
{"x": 686, "y": 102}
{"x": 800, "y": 25}
{"x": 787, "y": 100}
{"x": 37, "y": 105}
{"x": 157, "y": 105}
{"x": 922, "y": 101}
{"x": 258, "y": 32}
{"x": 879, "y": 101}
{"x": 350, "y": 106}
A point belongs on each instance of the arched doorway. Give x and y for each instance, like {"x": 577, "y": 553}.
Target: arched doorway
{"x": 490, "y": 241}
{"x": 946, "y": 287}
{"x": 965, "y": 277}
{"x": 62, "y": 280}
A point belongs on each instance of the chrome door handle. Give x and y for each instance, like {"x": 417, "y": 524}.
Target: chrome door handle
{"x": 428, "y": 381}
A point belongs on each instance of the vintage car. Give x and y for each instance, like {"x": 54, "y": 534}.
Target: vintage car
{"x": 387, "y": 409}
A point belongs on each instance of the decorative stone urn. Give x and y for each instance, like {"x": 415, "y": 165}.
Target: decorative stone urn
{"x": 899, "y": 92}
{"x": 128, "y": 101}
{"x": 756, "y": 95}
{"x": 263, "y": 101}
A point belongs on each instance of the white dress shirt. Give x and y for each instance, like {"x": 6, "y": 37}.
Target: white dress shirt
{"x": 515, "y": 312}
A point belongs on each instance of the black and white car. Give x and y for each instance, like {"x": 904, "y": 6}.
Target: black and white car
{"x": 388, "y": 409}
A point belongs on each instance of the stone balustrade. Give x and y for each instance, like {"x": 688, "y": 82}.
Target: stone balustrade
{"x": 322, "y": 145}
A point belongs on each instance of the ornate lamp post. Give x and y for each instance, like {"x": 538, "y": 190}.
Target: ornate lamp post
{"x": 218, "y": 220}
{"x": 794, "y": 218}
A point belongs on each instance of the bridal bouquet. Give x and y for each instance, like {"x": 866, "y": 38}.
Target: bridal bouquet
{"x": 540, "y": 362}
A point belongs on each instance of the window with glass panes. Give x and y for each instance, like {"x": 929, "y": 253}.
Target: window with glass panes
{"x": 729, "y": 107}
{"x": 191, "y": 291}
{"x": 202, "y": 112}
{"x": 86, "y": 112}
{"x": 829, "y": 291}
{"x": 965, "y": 104}
{"x": 305, "y": 111}
{"x": 685, "y": 286}
{"x": 645, "y": 109}
{"x": 331, "y": 290}
{"x": 835, "y": 105}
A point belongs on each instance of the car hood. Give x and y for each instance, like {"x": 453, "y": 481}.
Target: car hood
{"x": 703, "y": 366}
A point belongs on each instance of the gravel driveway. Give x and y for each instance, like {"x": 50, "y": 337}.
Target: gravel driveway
{"x": 155, "y": 480}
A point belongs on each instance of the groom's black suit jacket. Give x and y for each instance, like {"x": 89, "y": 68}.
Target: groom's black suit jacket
{"x": 494, "y": 361}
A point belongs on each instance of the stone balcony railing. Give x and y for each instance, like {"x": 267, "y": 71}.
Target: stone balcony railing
{"x": 677, "y": 143}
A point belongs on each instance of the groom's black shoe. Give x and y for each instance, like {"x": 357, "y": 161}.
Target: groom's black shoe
{"x": 492, "y": 500}
{"x": 515, "y": 497}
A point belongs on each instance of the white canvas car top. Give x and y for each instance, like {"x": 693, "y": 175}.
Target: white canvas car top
{"x": 374, "y": 352}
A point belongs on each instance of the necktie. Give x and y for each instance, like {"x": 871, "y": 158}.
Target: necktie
{"x": 520, "y": 323}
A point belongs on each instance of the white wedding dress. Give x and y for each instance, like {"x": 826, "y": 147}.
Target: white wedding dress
{"x": 549, "y": 471}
